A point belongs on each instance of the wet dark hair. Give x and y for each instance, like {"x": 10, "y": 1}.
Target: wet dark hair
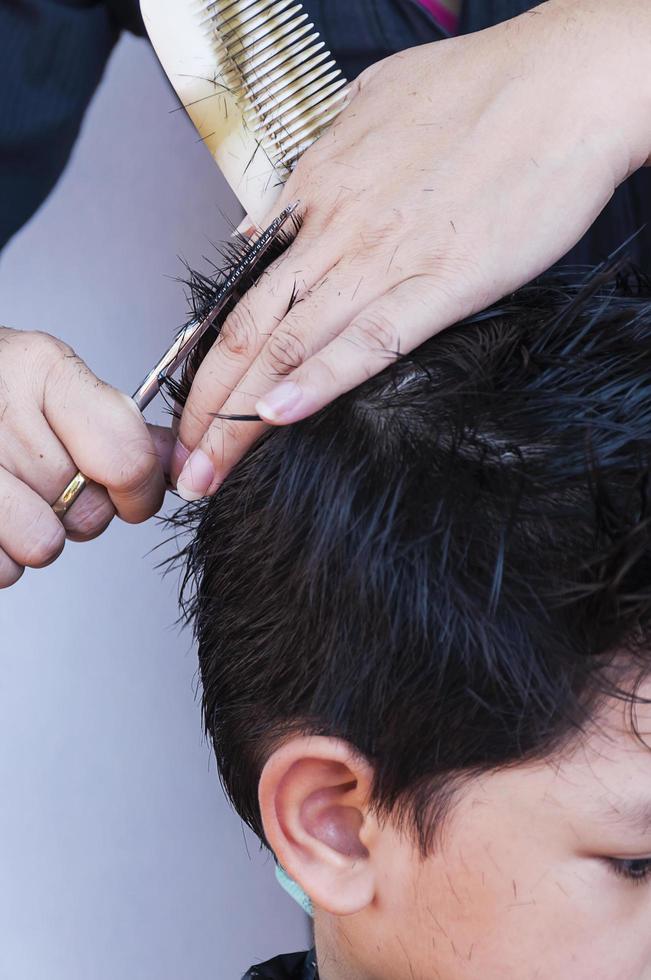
{"x": 443, "y": 566}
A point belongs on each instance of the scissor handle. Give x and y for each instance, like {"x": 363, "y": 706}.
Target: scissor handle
{"x": 184, "y": 343}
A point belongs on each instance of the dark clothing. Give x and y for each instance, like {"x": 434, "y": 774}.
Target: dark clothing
{"x": 53, "y": 53}
{"x": 294, "y": 966}
{"x": 361, "y": 32}
{"x": 52, "y": 56}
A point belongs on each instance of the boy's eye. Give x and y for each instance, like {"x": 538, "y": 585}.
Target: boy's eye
{"x": 637, "y": 870}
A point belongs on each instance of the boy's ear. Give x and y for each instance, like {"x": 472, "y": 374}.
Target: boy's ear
{"x": 314, "y": 794}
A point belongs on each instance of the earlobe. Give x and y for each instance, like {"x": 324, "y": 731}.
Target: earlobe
{"x": 314, "y": 794}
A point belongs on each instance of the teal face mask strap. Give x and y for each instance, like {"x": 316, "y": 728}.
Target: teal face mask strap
{"x": 294, "y": 890}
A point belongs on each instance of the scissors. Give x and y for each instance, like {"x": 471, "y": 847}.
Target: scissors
{"x": 185, "y": 343}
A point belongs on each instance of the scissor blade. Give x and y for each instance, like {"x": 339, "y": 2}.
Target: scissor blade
{"x": 190, "y": 336}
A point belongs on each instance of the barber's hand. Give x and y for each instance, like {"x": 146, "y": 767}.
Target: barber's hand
{"x": 458, "y": 172}
{"x": 56, "y": 417}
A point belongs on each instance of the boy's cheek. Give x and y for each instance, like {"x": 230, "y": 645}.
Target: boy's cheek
{"x": 490, "y": 913}
{"x": 479, "y": 909}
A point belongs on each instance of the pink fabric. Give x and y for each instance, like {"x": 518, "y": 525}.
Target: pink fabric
{"x": 448, "y": 21}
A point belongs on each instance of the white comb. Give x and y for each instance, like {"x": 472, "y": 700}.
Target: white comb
{"x": 256, "y": 80}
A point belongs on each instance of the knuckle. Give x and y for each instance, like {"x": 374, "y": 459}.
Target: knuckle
{"x": 36, "y": 358}
{"x": 321, "y": 370}
{"x": 90, "y": 516}
{"x": 193, "y": 421}
{"x": 239, "y": 334}
{"x": 285, "y": 352}
{"x": 63, "y": 370}
{"x": 48, "y": 344}
{"x": 57, "y": 346}
{"x": 42, "y": 545}
{"x": 134, "y": 472}
{"x": 49, "y": 350}
{"x": 10, "y": 572}
{"x": 36, "y": 343}
{"x": 387, "y": 233}
{"x": 57, "y": 469}
{"x": 374, "y": 332}
{"x": 456, "y": 287}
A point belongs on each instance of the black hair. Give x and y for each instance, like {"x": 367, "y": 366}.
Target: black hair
{"x": 444, "y": 566}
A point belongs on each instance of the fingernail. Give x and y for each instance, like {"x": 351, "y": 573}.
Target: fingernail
{"x": 196, "y": 476}
{"x": 277, "y": 405}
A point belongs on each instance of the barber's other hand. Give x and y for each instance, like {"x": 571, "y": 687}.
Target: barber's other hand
{"x": 56, "y": 417}
{"x": 459, "y": 171}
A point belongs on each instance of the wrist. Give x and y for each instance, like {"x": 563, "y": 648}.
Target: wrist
{"x": 613, "y": 43}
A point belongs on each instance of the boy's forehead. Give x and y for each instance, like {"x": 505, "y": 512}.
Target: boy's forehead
{"x": 607, "y": 772}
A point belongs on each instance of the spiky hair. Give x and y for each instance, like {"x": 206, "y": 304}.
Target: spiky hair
{"x": 443, "y": 566}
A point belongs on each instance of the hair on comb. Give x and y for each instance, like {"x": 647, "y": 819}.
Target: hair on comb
{"x": 256, "y": 80}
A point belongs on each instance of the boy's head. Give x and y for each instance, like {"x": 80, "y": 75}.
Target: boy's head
{"x": 423, "y": 619}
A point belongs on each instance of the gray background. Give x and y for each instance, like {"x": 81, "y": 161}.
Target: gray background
{"x": 119, "y": 856}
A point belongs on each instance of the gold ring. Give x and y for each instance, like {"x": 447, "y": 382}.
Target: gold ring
{"x": 62, "y": 505}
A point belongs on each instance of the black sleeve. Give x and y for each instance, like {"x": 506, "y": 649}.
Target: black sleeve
{"x": 52, "y": 56}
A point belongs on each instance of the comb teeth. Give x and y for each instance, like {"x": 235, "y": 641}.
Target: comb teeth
{"x": 277, "y": 67}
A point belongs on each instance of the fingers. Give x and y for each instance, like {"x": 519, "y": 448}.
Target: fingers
{"x": 107, "y": 438}
{"x": 362, "y": 342}
{"x": 30, "y": 533}
{"x": 32, "y": 453}
{"x": 93, "y": 511}
{"x": 247, "y": 329}
{"x": 90, "y": 515}
{"x": 10, "y": 571}
{"x": 392, "y": 325}
{"x": 165, "y": 441}
{"x": 243, "y": 335}
{"x": 207, "y": 466}
{"x": 311, "y": 324}
{"x": 57, "y": 418}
